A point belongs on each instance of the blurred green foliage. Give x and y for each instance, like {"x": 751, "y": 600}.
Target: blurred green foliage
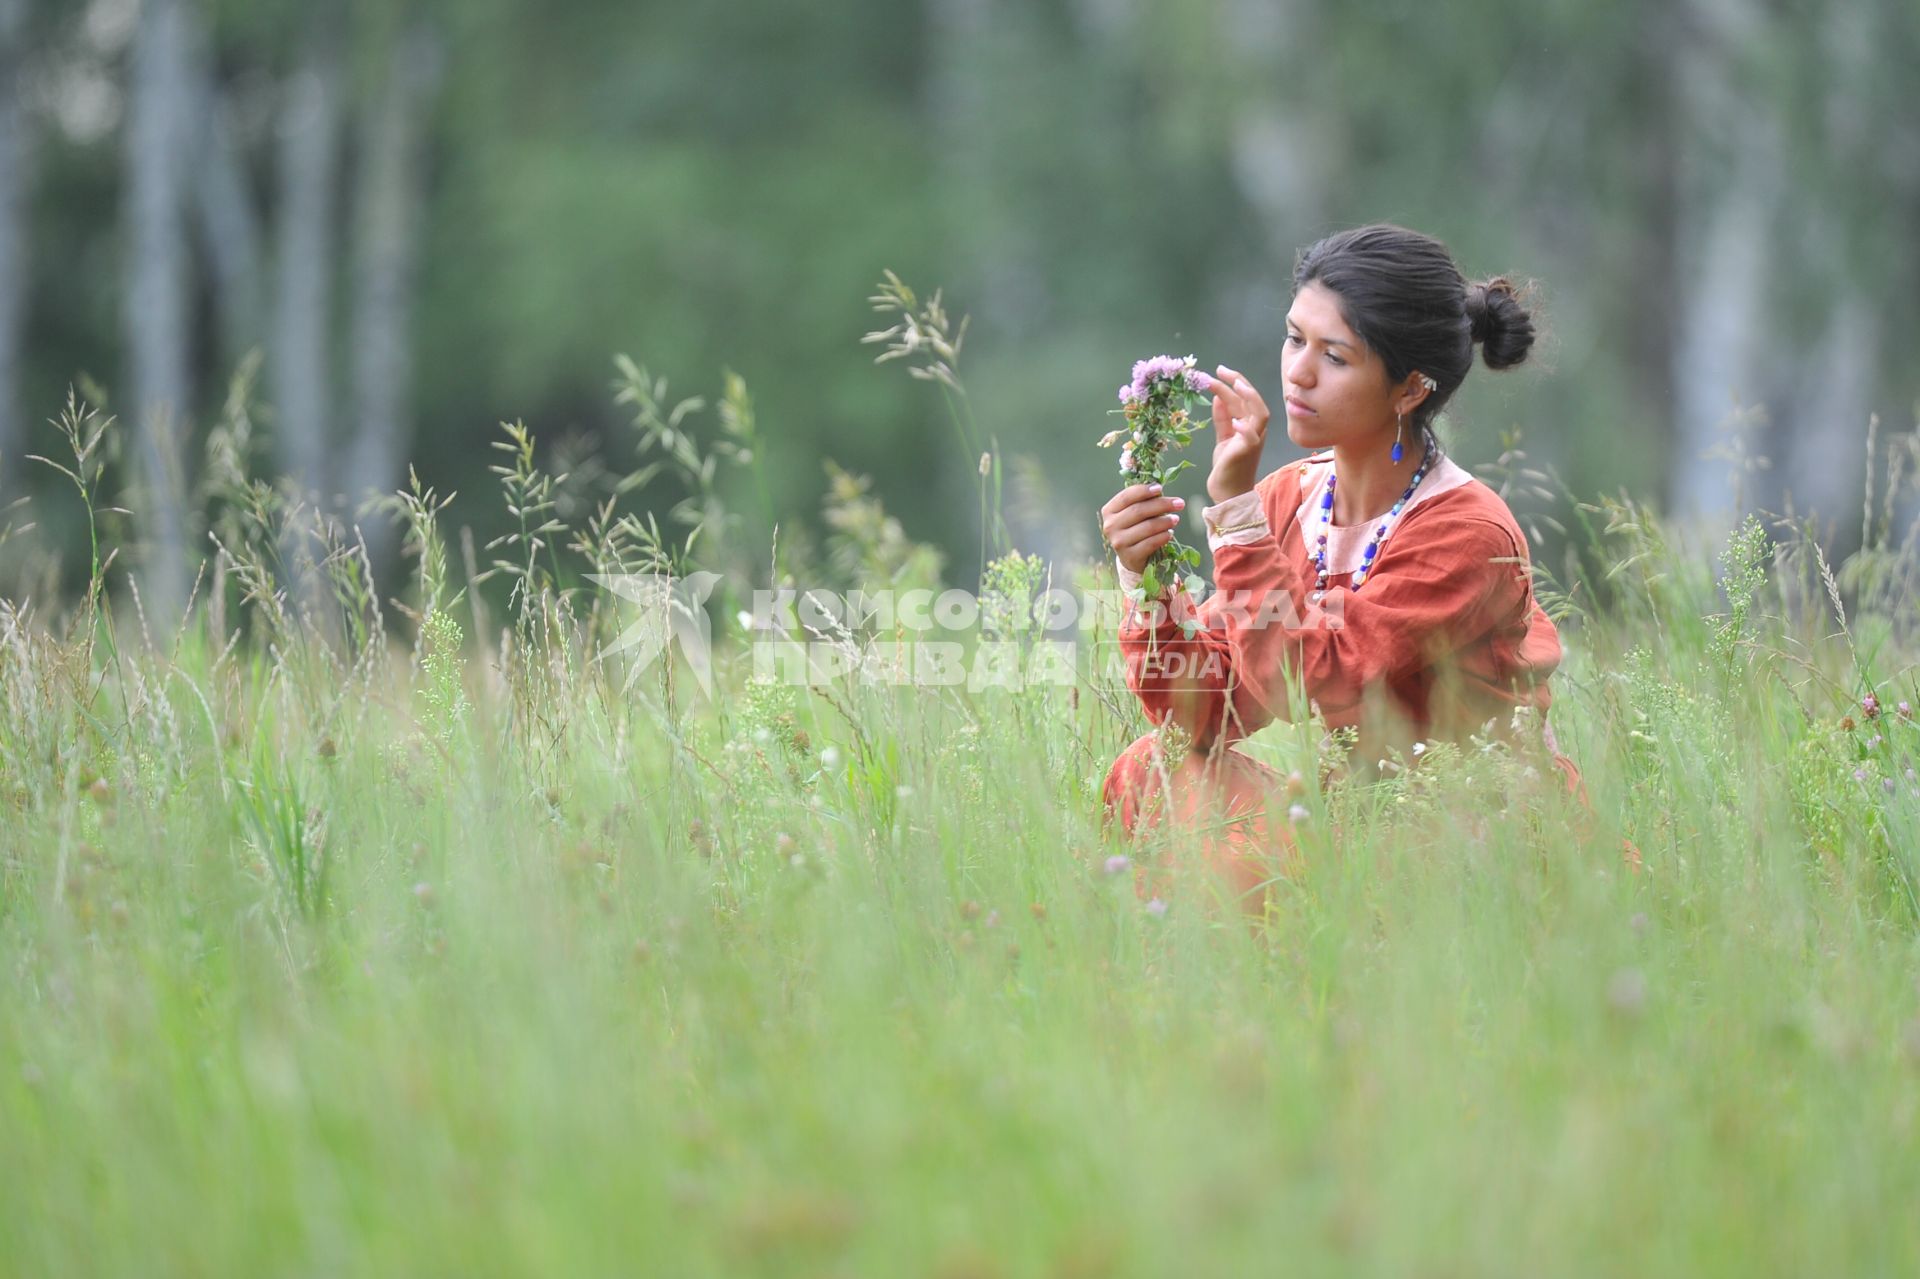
{"x": 709, "y": 187}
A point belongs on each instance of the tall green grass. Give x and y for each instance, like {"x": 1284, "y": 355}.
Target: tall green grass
{"x": 329, "y": 950}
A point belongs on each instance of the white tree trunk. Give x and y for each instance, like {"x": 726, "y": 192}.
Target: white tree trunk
{"x": 1719, "y": 352}
{"x": 390, "y": 194}
{"x": 1823, "y": 435}
{"x": 14, "y": 179}
{"x": 308, "y": 173}
{"x": 229, "y": 221}
{"x": 1720, "y": 363}
{"x": 1826, "y": 432}
{"x": 158, "y": 299}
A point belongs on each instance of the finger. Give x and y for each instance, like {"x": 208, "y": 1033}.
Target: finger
{"x": 1226, "y": 390}
{"x": 1153, "y": 535}
{"x": 1249, "y": 395}
{"x": 1146, "y": 515}
{"x": 1136, "y": 557}
{"x": 1129, "y": 495}
{"x": 1146, "y": 506}
{"x": 1143, "y": 531}
{"x": 1229, "y": 410}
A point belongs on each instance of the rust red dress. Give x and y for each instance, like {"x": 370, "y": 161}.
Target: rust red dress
{"x": 1443, "y": 640}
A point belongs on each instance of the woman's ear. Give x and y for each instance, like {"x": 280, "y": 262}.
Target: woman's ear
{"x": 1414, "y": 392}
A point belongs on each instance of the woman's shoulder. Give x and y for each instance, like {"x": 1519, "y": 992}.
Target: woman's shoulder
{"x": 1457, "y": 497}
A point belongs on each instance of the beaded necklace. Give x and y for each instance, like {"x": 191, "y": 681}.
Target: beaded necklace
{"x": 1379, "y": 533}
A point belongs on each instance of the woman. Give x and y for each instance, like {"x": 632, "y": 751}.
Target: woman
{"x": 1376, "y": 577}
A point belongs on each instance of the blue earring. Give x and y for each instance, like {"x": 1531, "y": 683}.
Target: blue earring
{"x": 1400, "y": 419}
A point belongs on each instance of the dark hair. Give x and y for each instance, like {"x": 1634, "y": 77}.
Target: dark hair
{"x": 1402, "y": 294}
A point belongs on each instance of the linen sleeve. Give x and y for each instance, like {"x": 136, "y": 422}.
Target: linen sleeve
{"x": 1188, "y": 671}
{"x": 1440, "y": 583}
{"x": 1238, "y": 519}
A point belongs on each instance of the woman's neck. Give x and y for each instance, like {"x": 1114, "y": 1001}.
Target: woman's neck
{"x": 1370, "y": 481}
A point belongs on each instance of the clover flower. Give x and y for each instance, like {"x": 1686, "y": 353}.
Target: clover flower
{"x": 1870, "y": 705}
{"x": 1158, "y": 403}
{"x": 1162, "y": 368}
{"x": 1117, "y": 863}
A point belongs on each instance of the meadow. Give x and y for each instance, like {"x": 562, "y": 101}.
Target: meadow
{"x": 423, "y": 938}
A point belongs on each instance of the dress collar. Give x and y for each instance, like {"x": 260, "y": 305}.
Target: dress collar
{"x": 1347, "y": 544}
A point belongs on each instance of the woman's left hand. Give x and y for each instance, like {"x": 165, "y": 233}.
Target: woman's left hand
{"x": 1240, "y": 425}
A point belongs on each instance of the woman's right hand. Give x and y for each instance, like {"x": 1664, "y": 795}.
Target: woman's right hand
{"x": 1137, "y": 521}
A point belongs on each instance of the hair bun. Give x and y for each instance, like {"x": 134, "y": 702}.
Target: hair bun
{"x": 1500, "y": 322}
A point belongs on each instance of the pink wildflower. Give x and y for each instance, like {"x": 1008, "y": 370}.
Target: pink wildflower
{"x": 1145, "y": 372}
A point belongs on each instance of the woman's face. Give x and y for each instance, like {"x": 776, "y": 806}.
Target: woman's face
{"x": 1336, "y": 389}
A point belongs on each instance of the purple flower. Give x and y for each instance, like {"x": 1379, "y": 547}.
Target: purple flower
{"x": 1859, "y": 774}
{"x": 1886, "y": 784}
{"x": 1128, "y": 395}
{"x": 1117, "y": 864}
{"x": 1873, "y": 742}
{"x": 1156, "y": 908}
{"x": 1905, "y": 709}
{"x": 1871, "y": 705}
{"x": 1146, "y": 372}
